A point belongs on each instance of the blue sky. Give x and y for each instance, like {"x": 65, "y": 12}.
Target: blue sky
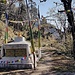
{"x": 44, "y": 6}
{"x": 49, "y": 4}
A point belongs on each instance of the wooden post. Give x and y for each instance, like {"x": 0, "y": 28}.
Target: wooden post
{"x": 39, "y": 42}
{"x": 31, "y": 35}
{"x": 6, "y": 31}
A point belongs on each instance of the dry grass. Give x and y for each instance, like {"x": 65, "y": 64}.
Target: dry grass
{"x": 2, "y": 32}
{"x": 50, "y": 42}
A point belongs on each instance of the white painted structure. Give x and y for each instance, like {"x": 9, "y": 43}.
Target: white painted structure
{"x": 17, "y": 54}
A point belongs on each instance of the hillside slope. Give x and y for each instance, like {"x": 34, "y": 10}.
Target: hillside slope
{"x": 2, "y": 33}
{"x": 48, "y": 40}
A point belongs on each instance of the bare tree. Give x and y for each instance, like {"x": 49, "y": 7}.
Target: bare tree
{"x": 69, "y": 12}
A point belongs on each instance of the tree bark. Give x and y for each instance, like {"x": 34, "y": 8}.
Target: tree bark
{"x": 67, "y": 6}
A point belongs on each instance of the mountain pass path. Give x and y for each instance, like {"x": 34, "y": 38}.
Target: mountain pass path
{"x": 51, "y": 63}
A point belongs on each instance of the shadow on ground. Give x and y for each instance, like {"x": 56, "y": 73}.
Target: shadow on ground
{"x": 61, "y": 64}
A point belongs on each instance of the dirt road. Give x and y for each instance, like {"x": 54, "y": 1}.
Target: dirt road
{"x": 50, "y": 64}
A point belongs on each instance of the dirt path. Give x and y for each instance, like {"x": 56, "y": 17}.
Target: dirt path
{"x": 53, "y": 64}
{"x": 50, "y": 64}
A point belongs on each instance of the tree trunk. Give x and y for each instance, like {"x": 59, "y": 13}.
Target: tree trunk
{"x": 67, "y": 6}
